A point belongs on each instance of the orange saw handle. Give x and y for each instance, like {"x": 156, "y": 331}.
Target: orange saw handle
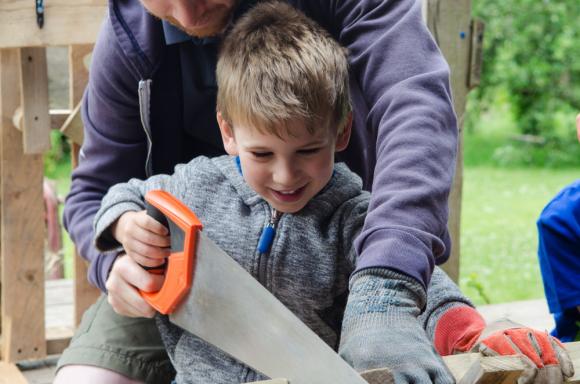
{"x": 183, "y": 227}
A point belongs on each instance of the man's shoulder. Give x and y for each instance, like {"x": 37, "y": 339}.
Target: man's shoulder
{"x": 138, "y": 34}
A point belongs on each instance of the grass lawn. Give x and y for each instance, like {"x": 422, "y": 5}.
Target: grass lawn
{"x": 498, "y": 230}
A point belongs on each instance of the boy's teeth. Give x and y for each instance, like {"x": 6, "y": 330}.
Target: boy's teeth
{"x": 287, "y": 192}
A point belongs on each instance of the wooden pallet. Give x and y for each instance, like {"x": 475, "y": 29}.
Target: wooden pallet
{"x": 472, "y": 368}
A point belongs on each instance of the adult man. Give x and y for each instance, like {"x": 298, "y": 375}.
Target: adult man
{"x": 150, "y": 105}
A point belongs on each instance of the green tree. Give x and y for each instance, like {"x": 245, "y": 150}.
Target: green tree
{"x": 532, "y": 51}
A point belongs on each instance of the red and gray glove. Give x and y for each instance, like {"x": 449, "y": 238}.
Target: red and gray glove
{"x": 462, "y": 329}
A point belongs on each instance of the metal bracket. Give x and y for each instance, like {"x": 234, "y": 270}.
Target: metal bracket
{"x": 476, "y": 53}
{"x": 40, "y": 13}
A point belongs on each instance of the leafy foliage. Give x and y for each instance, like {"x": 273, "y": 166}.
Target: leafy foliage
{"x": 532, "y": 53}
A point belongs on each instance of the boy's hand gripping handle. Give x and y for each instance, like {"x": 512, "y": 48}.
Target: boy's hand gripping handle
{"x": 183, "y": 226}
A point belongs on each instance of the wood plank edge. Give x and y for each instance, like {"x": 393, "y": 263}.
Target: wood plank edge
{"x": 10, "y": 374}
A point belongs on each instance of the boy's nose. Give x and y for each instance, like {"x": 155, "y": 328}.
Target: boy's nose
{"x": 285, "y": 174}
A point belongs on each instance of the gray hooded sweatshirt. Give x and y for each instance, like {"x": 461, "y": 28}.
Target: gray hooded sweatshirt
{"x": 307, "y": 266}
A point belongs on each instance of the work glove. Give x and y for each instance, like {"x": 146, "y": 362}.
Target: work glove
{"x": 546, "y": 358}
{"x": 462, "y": 329}
{"x": 380, "y": 328}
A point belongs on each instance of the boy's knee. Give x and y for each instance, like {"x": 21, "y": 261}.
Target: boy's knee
{"x": 88, "y": 374}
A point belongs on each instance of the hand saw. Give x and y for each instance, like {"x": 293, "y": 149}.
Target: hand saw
{"x": 209, "y": 294}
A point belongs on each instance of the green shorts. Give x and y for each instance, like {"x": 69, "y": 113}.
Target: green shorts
{"x": 130, "y": 346}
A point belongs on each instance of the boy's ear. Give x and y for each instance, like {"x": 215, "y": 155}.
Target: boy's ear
{"x": 227, "y": 135}
{"x": 344, "y": 137}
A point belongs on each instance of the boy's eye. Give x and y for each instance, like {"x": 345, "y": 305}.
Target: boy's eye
{"x": 261, "y": 154}
{"x": 309, "y": 151}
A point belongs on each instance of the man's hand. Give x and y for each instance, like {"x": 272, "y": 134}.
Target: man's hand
{"x": 547, "y": 360}
{"x": 381, "y": 330}
{"x": 124, "y": 279}
{"x": 144, "y": 239}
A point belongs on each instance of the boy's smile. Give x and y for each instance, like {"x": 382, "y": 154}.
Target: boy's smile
{"x": 287, "y": 171}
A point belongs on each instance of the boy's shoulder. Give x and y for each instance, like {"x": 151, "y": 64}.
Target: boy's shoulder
{"x": 343, "y": 186}
{"x": 566, "y": 202}
{"x": 342, "y": 198}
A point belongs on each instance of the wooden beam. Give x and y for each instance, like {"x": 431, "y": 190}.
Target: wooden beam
{"x": 450, "y": 23}
{"x": 65, "y": 22}
{"x": 476, "y": 53}
{"x": 574, "y": 352}
{"x": 34, "y": 100}
{"x": 22, "y": 228}
{"x": 472, "y": 368}
{"x": 58, "y": 339}
{"x": 378, "y": 376}
{"x": 10, "y": 374}
{"x": 84, "y": 293}
{"x": 494, "y": 370}
{"x": 58, "y": 117}
{"x": 72, "y": 127}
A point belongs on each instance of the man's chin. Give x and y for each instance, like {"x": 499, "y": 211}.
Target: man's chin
{"x": 204, "y": 32}
{"x": 201, "y": 31}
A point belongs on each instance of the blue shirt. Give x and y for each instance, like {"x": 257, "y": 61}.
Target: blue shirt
{"x": 559, "y": 255}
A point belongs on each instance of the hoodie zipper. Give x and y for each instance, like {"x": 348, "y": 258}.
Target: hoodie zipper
{"x": 265, "y": 243}
{"x": 144, "y": 91}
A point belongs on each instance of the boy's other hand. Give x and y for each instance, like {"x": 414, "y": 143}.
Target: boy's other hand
{"x": 125, "y": 278}
{"x": 144, "y": 239}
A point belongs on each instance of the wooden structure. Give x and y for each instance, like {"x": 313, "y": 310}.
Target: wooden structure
{"x": 24, "y": 105}
{"x": 460, "y": 39}
{"x": 24, "y": 130}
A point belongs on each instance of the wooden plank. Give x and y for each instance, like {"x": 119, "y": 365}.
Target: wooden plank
{"x": 574, "y": 352}
{"x": 476, "y": 53}
{"x": 378, "y": 376}
{"x": 22, "y": 228}
{"x": 84, "y": 293}
{"x": 34, "y": 100}
{"x": 65, "y": 22}
{"x": 58, "y": 117}
{"x": 72, "y": 127}
{"x": 449, "y": 22}
{"x": 57, "y": 339}
{"x": 494, "y": 370}
{"x": 481, "y": 370}
{"x": 10, "y": 374}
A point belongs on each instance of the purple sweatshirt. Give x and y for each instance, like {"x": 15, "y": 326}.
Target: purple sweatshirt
{"x": 141, "y": 119}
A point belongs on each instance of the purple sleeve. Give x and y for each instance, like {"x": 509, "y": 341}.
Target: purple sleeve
{"x": 401, "y": 94}
{"x": 113, "y": 137}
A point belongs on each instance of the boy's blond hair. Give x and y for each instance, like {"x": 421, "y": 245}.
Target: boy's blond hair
{"x": 277, "y": 66}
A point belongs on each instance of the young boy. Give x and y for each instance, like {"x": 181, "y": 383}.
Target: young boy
{"x": 283, "y": 111}
{"x": 559, "y": 255}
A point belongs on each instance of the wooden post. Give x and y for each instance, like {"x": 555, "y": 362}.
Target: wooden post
{"x": 449, "y": 21}
{"x": 84, "y": 293}
{"x": 22, "y": 228}
{"x": 34, "y": 100}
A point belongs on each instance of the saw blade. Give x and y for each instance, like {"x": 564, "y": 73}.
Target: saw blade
{"x": 231, "y": 310}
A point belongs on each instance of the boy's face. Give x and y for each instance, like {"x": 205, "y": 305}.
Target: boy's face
{"x": 289, "y": 171}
